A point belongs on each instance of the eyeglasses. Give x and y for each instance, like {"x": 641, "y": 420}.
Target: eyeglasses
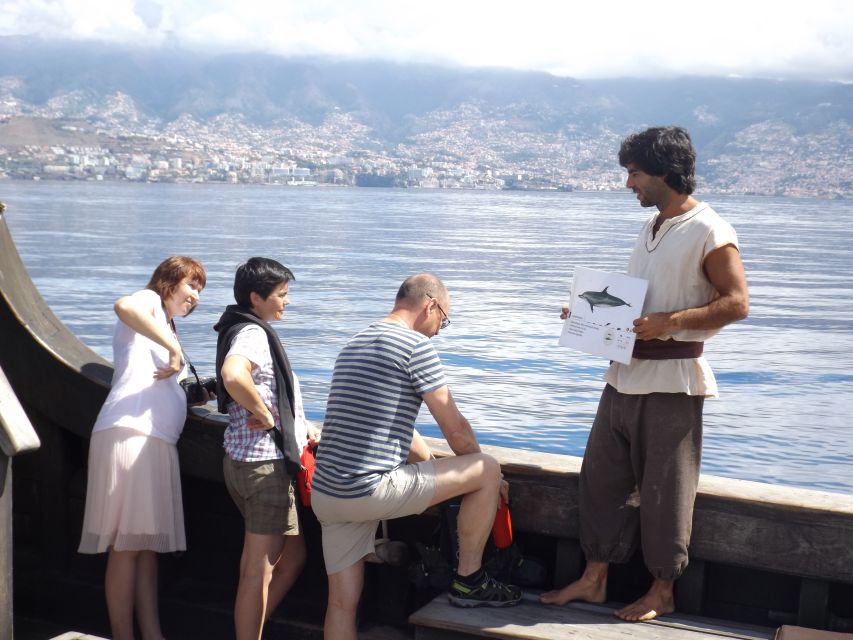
{"x": 446, "y": 322}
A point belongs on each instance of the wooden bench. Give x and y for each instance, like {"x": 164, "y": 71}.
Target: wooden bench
{"x": 531, "y": 620}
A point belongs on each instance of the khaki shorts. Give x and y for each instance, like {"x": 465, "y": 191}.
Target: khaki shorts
{"x": 349, "y": 524}
{"x": 263, "y": 492}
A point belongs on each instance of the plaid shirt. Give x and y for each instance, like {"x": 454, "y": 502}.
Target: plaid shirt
{"x": 242, "y": 443}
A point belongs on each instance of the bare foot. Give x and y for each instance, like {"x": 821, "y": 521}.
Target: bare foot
{"x": 585, "y": 588}
{"x": 657, "y": 602}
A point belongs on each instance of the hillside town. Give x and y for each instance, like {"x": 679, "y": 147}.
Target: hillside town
{"x": 460, "y": 149}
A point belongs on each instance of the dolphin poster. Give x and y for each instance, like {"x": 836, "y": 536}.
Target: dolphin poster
{"x": 603, "y": 309}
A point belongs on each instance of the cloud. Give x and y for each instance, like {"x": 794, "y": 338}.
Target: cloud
{"x": 150, "y": 12}
{"x": 594, "y": 39}
{"x": 112, "y": 20}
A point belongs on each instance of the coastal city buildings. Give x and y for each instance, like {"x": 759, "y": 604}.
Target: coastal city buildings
{"x": 463, "y": 149}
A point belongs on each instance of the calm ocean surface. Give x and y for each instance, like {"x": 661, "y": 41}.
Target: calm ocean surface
{"x": 784, "y": 415}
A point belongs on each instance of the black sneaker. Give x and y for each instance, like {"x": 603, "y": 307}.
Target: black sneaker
{"x": 489, "y": 593}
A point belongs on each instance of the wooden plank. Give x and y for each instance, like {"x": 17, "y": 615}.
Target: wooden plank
{"x": 200, "y": 447}
{"x": 53, "y": 488}
{"x": 569, "y": 562}
{"x": 545, "y": 505}
{"x": 533, "y": 621}
{"x": 5, "y": 546}
{"x": 425, "y": 633}
{"x": 813, "y": 609}
{"x": 690, "y": 588}
{"x": 16, "y": 433}
{"x": 523, "y": 462}
{"x": 801, "y": 541}
{"x": 789, "y": 530}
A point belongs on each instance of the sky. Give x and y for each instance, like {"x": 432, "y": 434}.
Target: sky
{"x": 789, "y": 39}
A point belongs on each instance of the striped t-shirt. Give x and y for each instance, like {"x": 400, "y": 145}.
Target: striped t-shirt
{"x": 377, "y": 384}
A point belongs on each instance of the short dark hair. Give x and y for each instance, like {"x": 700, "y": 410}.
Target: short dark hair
{"x": 260, "y": 275}
{"x": 169, "y": 274}
{"x": 663, "y": 151}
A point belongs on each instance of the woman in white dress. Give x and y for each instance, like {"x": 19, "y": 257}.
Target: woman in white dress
{"x": 133, "y": 499}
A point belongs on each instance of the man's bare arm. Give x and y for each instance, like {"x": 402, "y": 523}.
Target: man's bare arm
{"x": 419, "y": 450}
{"x": 724, "y": 269}
{"x": 454, "y": 426}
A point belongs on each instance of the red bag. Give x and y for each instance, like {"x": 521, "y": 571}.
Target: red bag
{"x": 304, "y": 475}
{"x": 502, "y": 527}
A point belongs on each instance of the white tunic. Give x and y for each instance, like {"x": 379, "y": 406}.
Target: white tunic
{"x": 672, "y": 261}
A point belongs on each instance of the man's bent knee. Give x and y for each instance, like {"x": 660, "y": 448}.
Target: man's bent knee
{"x": 491, "y": 469}
{"x": 461, "y": 475}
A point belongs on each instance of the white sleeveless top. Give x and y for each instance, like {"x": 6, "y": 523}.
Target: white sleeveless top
{"x": 137, "y": 400}
{"x": 672, "y": 261}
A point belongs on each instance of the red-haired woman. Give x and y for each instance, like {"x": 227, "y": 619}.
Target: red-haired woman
{"x": 133, "y": 498}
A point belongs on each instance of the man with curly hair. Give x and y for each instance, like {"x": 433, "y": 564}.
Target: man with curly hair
{"x": 641, "y": 465}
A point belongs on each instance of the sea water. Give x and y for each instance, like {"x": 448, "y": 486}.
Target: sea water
{"x": 784, "y": 374}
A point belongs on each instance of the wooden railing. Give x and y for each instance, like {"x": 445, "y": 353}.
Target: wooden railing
{"x": 16, "y": 436}
{"x": 784, "y": 530}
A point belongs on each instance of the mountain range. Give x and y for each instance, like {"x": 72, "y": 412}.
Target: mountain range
{"x": 753, "y": 135}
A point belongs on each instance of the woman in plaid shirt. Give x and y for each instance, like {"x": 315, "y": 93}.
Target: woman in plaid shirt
{"x": 261, "y": 395}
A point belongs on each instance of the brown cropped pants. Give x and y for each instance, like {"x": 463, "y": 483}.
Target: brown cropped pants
{"x": 639, "y": 476}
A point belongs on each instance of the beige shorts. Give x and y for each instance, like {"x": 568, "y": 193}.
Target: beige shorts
{"x": 263, "y": 492}
{"x": 349, "y": 524}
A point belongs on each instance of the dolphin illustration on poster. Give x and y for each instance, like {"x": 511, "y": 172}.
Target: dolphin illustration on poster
{"x": 607, "y": 328}
{"x": 602, "y": 299}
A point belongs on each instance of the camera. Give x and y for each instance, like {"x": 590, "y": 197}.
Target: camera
{"x": 193, "y": 388}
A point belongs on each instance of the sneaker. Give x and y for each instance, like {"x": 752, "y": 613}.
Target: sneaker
{"x": 489, "y": 593}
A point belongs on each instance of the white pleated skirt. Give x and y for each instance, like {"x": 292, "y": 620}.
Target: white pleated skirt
{"x": 133, "y": 495}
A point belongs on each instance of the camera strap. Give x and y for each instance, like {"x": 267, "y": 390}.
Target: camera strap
{"x": 184, "y": 353}
{"x": 190, "y": 365}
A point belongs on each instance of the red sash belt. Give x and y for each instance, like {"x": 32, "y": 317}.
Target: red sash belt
{"x": 666, "y": 349}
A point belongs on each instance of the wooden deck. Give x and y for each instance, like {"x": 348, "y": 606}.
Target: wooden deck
{"x": 531, "y": 620}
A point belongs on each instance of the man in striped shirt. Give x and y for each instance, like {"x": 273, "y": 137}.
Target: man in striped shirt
{"x": 372, "y": 464}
